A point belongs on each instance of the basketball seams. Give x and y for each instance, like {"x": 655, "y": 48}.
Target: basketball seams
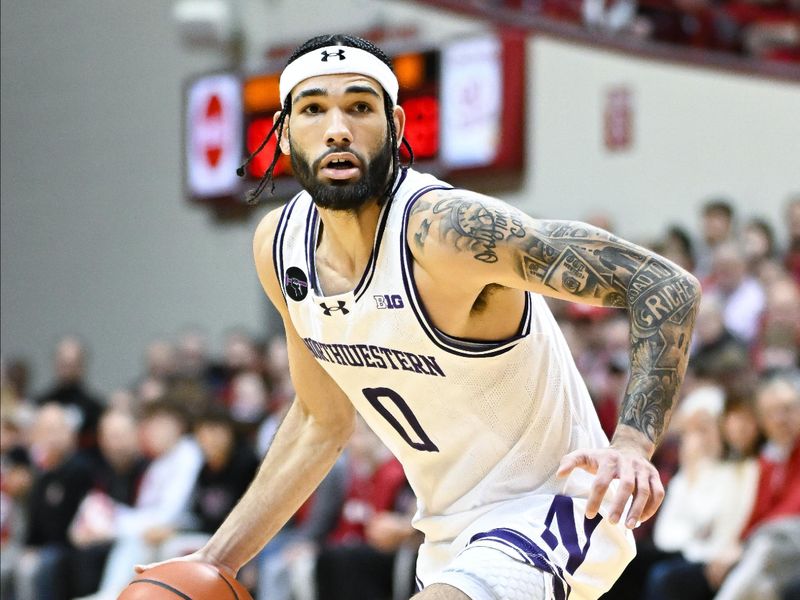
{"x": 161, "y": 584}
{"x": 178, "y": 576}
{"x": 228, "y": 583}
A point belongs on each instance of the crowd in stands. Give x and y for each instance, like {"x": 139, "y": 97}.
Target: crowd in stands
{"x": 766, "y": 29}
{"x": 90, "y": 486}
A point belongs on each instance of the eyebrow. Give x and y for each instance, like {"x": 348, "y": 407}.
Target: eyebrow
{"x": 310, "y": 92}
{"x": 361, "y": 89}
{"x": 352, "y": 89}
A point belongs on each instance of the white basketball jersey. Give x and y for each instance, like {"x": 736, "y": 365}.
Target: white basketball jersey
{"x": 473, "y": 424}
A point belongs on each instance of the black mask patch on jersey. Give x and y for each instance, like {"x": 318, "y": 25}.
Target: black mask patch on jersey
{"x": 296, "y": 283}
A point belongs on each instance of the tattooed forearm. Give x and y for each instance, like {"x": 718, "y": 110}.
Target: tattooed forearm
{"x": 662, "y": 317}
{"x": 661, "y": 299}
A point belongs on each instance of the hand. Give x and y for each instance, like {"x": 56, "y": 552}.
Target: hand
{"x": 386, "y": 531}
{"x": 637, "y": 477}
{"x": 199, "y": 556}
{"x": 717, "y": 569}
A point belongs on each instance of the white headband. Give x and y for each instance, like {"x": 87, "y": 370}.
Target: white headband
{"x": 335, "y": 60}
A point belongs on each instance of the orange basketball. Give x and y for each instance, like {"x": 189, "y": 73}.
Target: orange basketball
{"x": 184, "y": 580}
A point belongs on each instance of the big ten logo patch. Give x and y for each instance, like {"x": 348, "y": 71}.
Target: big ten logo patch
{"x": 389, "y": 301}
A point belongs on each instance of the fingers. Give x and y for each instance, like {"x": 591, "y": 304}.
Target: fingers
{"x": 576, "y": 460}
{"x": 656, "y": 496}
{"x": 605, "y": 474}
{"x": 627, "y": 486}
{"x": 641, "y": 498}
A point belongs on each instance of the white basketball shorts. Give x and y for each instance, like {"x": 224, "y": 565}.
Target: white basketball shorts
{"x": 505, "y": 552}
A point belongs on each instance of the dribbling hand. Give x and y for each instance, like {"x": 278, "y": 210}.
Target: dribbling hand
{"x": 637, "y": 477}
{"x": 198, "y": 556}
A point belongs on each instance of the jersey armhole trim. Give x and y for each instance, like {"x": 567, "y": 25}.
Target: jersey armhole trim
{"x": 449, "y": 343}
{"x": 277, "y": 242}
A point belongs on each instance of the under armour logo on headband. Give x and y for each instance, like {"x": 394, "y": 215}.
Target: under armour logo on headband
{"x": 326, "y": 55}
{"x": 322, "y": 61}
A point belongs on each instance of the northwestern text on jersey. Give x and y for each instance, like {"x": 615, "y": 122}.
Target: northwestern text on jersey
{"x": 374, "y": 357}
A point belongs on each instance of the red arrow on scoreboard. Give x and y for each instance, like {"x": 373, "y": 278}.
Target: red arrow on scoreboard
{"x": 213, "y": 119}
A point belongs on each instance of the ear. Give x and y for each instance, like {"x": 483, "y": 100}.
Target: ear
{"x": 399, "y": 116}
{"x": 284, "y": 144}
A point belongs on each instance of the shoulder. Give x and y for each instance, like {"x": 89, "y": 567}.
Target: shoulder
{"x": 265, "y": 231}
{"x": 455, "y": 227}
{"x": 263, "y": 253}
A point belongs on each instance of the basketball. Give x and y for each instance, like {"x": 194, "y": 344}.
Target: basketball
{"x": 186, "y": 581}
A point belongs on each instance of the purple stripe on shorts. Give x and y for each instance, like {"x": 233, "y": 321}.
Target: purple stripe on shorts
{"x": 531, "y": 552}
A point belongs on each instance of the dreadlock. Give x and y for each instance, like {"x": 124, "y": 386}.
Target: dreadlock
{"x": 321, "y": 41}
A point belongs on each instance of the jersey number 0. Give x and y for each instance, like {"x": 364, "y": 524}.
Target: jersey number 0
{"x": 376, "y": 397}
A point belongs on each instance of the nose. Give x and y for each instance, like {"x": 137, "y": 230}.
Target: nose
{"x": 338, "y": 132}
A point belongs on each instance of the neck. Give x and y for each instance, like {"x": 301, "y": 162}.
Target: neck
{"x": 346, "y": 241}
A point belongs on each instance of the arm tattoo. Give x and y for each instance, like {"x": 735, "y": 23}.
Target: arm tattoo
{"x": 476, "y": 228}
{"x": 587, "y": 264}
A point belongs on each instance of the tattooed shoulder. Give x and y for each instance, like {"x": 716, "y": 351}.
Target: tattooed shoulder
{"x": 467, "y": 222}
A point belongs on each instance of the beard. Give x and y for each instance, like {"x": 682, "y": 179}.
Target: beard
{"x": 344, "y": 195}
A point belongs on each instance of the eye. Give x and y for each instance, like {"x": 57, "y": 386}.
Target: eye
{"x": 312, "y": 109}
{"x": 362, "y": 107}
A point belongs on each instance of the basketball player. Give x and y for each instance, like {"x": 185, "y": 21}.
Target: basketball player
{"x": 420, "y": 306}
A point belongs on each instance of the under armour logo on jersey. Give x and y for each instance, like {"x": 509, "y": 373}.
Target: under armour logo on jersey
{"x": 326, "y": 55}
{"x": 329, "y": 309}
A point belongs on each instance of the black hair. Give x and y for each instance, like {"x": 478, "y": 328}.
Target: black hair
{"x": 321, "y": 41}
{"x": 719, "y": 205}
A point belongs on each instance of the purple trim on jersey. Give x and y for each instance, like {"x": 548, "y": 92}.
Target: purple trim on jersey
{"x": 530, "y": 552}
{"x": 312, "y": 224}
{"x": 369, "y": 272}
{"x": 312, "y": 220}
{"x": 453, "y": 345}
{"x": 277, "y": 241}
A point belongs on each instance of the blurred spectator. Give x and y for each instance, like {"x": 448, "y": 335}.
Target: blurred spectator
{"x": 116, "y": 478}
{"x": 778, "y": 345}
{"x": 768, "y": 559}
{"x": 16, "y": 477}
{"x": 742, "y": 295}
{"x": 677, "y": 246}
{"x": 717, "y": 352}
{"x": 163, "y": 496}
{"x": 14, "y": 379}
{"x": 192, "y": 355}
{"x": 792, "y": 259}
{"x": 229, "y": 466}
{"x": 287, "y": 561}
{"x": 248, "y": 398}
{"x": 717, "y": 229}
{"x": 62, "y": 481}
{"x": 160, "y": 369}
{"x": 276, "y": 370}
{"x": 375, "y": 502}
{"x": 70, "y": 391}
{"x": 711, "y": 497}
{"x": 609, "y": 17}
{"x": 193, "y": 384}
{"x": 758, "y": 243}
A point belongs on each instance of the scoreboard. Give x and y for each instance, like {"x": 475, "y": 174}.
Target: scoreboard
{"x": 464, "y": 105}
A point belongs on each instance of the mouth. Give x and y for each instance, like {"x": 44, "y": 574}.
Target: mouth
{"x": 340, "y": 166}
